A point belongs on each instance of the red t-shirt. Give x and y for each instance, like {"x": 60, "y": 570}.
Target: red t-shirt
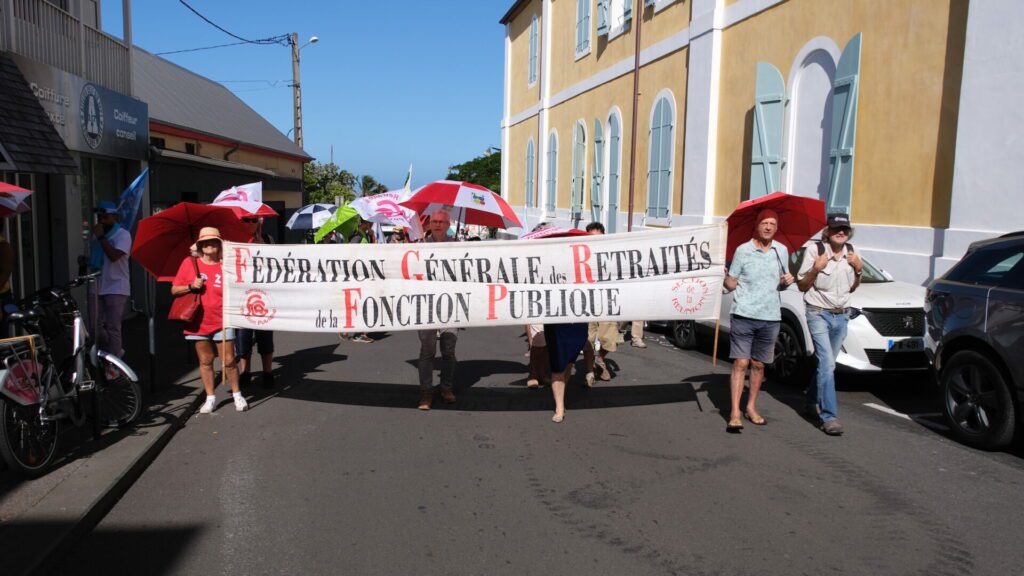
{"x": 210, "y": 317}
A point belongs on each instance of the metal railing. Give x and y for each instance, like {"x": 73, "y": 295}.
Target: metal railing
{"x": 43, "y": 32}
{"x": 106, "y": 60}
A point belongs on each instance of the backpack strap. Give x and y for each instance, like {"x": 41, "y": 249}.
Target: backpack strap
{"x": 821, "y": 247}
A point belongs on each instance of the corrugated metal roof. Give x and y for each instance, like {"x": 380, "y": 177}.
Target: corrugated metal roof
{"x": 183, "y": 98}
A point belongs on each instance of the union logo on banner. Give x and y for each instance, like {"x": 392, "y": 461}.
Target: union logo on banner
{"x": 258, "y": 309}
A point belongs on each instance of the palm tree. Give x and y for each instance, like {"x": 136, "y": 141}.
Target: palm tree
{"x": 368, "y": 186}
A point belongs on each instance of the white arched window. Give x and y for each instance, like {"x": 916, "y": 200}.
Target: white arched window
{"x": 582, "y": 27}
{"x": 530, "y": 163}
{"x": 552, "y": 172}
{"x": 533, "y": 51}
{"x": 579, "y": 166}
{"x": 660, "y": 160}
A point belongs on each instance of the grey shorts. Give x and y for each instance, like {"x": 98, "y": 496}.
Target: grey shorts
{"x": 752, "y": 339}
{"x": 218, "y": 336}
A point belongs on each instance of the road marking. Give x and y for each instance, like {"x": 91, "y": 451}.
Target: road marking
{"x": 914, "y": 417}
{"x": 887, "y": 410}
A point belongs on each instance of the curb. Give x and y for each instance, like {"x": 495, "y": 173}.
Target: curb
{"x": 72, "y": 509}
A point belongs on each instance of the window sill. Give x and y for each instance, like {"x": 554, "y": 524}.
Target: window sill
{"x": 582, "y": 54}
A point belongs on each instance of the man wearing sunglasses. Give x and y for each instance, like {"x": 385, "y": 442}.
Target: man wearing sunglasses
{"x": 828, "y": 275}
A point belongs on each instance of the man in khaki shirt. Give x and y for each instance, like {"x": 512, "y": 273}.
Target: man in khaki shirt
{"x": 829, "y": 273}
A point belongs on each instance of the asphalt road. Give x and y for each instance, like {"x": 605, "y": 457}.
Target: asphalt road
{"x": 336, "y": 472}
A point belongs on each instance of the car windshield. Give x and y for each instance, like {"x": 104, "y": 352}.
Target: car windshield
{"x": 871, "y": 274}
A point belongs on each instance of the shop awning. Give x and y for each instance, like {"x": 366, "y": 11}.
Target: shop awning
{"x": 28, "y": 140}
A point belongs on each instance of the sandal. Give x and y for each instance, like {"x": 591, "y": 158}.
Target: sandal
{"x": 755, "y": 419}
{"x": 734, "y": 425}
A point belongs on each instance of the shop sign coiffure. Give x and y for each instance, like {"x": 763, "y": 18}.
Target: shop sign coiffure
{"x": 89, "y": 117}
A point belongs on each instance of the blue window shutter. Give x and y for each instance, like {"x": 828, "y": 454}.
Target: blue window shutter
{"x": 579, "y": 160}
{"x": 597, "y": 180}
{"x": 614, "y": 150}
{"x": 533, "y": 51}
{"x": 602, "y": 17}
{"x": 627, "y": 10}
{"x": 552, "y": 190}
{"x": 845, "y": 92}
{"x": 586, "y": 24}
{"x": 766, "y": 140}
{"x": 529, "y": 173}
{"x": 653, "y": 161}
{"x": 579, "y": 25}
{"x": 659, "y": 172}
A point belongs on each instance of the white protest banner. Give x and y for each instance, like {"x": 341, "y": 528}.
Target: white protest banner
{"x": 672, "y": 274}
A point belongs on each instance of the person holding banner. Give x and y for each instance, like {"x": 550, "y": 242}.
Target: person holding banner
{"x": 248, "y": 339}
{"x": 438, "y": 232}
{"x": 207, "y": 326}
{"x": 757, "y": 273}
{"x": 605, "y": 333}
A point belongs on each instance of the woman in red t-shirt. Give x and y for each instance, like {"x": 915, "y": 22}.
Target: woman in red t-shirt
{"x": 207, "y": 327}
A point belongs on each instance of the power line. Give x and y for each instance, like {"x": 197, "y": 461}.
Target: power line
{"x": 282, "y": 39}
{"x": 198, "y": 49}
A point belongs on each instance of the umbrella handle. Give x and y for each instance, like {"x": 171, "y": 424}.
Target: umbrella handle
{"x": 714, "y": 352}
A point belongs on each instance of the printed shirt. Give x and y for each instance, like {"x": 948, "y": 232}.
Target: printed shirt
{"x": 114, "y": 277}
{"x": 210, "y": 317}
{"x": 832, "y": 287}
{"x": 757, "y": 295}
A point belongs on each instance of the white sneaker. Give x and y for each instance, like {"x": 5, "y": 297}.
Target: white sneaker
{"x": 240, "y": 404}
{"x": 208, "y": 406}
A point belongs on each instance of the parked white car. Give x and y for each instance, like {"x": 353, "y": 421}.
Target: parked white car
{"x": 886, "y": 331}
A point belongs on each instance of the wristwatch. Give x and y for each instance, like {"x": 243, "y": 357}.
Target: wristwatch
{"x": 858, "y": 272}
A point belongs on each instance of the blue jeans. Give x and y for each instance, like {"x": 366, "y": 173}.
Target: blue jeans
{"x": 828, "y": 330}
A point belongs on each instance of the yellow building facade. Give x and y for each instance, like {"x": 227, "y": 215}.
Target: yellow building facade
{"x": 855, "y": 102}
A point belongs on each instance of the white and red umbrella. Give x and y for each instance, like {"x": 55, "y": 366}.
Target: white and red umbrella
{"x": 553, "y": 232}
{"x": 12, "y": 199}
{"x": 468, "y": 203}
{"x": 384, "y": 208}
{"x": 244, "y": 200}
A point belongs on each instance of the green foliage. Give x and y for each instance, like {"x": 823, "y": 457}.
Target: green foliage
{"x": 483, "y": 170}
{"x": 368, "y": 186}
{"x": 324, "y": 181}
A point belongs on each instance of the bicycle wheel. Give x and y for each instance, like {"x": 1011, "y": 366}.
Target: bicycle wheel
{"x": 27, "y": 444}
{"x": 119, "y": 401}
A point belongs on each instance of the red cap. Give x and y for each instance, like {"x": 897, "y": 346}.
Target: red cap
{"x": 765, "y": 214}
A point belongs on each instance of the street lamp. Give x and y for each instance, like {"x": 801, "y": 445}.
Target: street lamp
{"x": 293, "y": 39}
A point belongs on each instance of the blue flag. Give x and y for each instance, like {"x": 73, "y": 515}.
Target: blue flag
{"x": 131, "y": 198}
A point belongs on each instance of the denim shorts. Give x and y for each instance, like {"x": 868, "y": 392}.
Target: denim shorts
{"x": 753, "y": 339}
{"x": 218, "y": 336}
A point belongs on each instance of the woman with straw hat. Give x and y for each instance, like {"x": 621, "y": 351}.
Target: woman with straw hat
{"x": 201, "y": 273}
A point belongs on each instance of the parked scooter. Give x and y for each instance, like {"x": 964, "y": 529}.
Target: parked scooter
{"x": 38, "y": 395}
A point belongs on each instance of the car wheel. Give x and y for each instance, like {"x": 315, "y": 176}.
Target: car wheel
{"x": 790, "y": 361}
{"x": 976, "y": 401}
{"x": 684, "y": 334}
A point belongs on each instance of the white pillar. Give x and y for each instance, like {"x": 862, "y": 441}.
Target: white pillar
{"x": 702, "y": 90}
{"x": 506, "y": 152}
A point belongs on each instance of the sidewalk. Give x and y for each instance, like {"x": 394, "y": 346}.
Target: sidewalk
{"x": 41, "y": 519}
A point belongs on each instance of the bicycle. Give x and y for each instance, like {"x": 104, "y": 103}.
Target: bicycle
{"x": 38, "y": 395}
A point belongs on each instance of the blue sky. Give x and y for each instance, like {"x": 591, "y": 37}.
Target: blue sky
{"x": 388, "y": 84}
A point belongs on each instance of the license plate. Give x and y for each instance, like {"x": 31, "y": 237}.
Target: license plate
{"x": 907, "y": 345}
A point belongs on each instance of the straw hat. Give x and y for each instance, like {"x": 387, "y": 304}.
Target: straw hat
{"x": 206, "y": 233}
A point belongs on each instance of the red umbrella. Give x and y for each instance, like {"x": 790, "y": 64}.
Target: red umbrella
{"x": 163, "y": 240}
{"x": 799, "y": 219}
{"x": 472, "y": 204}
{"x": 12, "y": 199}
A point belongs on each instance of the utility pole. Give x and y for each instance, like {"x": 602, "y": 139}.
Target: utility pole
{"x": 638, "y": 18}
{"x": 293, "y": 39}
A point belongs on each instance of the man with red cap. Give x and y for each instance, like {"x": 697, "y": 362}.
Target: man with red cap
{"x": 757, "y": 273}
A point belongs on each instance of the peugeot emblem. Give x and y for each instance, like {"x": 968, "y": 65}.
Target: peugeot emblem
{"x": 908, "y": 322}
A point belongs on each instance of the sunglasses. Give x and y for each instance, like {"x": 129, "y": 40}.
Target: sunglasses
{"x": 844, "y": 231}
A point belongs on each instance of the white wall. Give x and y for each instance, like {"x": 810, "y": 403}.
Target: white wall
{"x": 988, "y": 177}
